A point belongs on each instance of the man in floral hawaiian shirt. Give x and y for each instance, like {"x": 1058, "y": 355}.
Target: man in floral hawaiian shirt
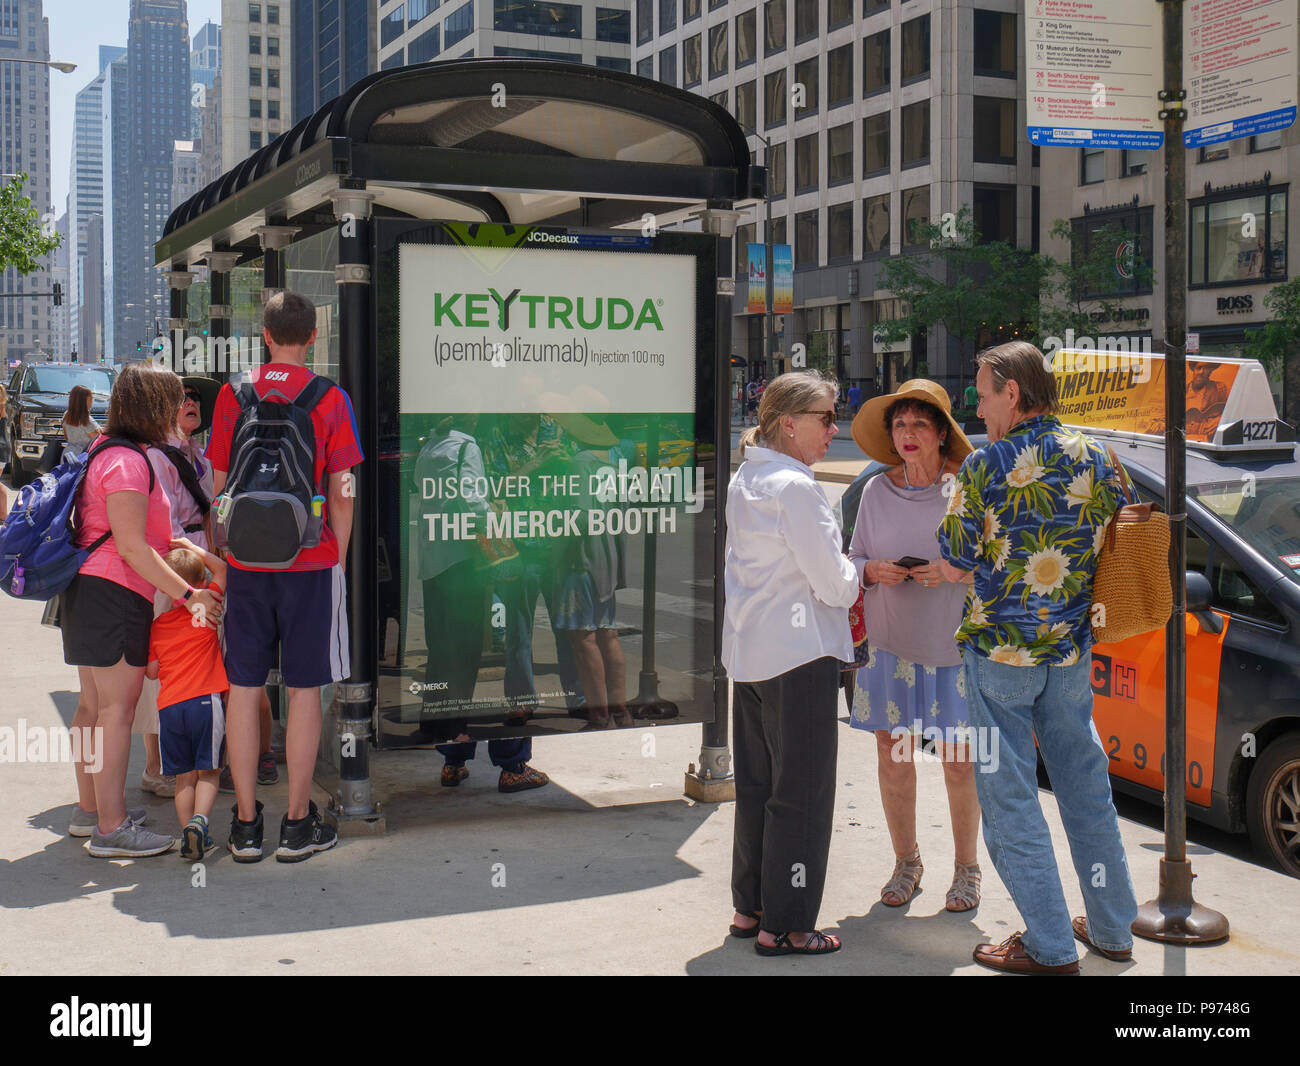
{"x": 1027, "y": 514}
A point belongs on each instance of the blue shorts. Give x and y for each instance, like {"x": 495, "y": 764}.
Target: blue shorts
{"x": 191, "y": 734}
{"x": 301, "y": 614}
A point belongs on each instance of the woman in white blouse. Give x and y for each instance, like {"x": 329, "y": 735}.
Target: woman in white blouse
{"x": 785, "y": 630}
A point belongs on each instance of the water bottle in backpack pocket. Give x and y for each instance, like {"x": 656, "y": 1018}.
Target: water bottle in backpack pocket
{"x": 268, "y": 516}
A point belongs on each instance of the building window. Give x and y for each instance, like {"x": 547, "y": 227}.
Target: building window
{"x": 254, "y": 139}
{"x": 839, "y": 231}
{"x": 392, "y": 26}
{"x": 806, "y": 21}
{"x": 1092, "y": 165}
{"x": 273, "y": 14}
{"x": 668, "y": 66}
{"x": 1120, "y": 242}
{"x": 1133, "y": 162}
{"x": 995, "y": 130}
{"x": 916, "y": 49}
{"x": 840, "y": 14}
{"x": 870, "y": 7}
{"x": 839, "y": 154}
{"x": 806, "y": 249}
{"x": 776, "y": 171}
{"x": 746, "y": 38}
{"x": 722, "y": 99}
{"x": 995, "y": 44}
{"x": 779, "y": 231}
{"x": 691, "y": 62}
{"x": 1213, "y": 153}
{"x": 875, "y": 225}
{"x": 614, "y": 63}
{"x": 995, "y": 213}
{"x": 458, "y": 25}
{"x": 747, "y": 104}
{"x": 645, "y": 23}
{"x": 916, "y": 215}
{"x": 805, "y": 74}
{"x": 1266, "y": 142}
{"x": 667, "y": 15}
{"x": 538, "y": 19}
{"x": 916, "y": 133}
{"x": 613, "y": 25}
{"x": 806, "y": 150}
{"x": 254, "y": 12}
{"x": 426, "y": 46}
{"x": 1221, "y": 253}
{"x": 744, "y": 238}
{"x": 254, "y": 77}
{"x": 839, "y": 76}
{"x": 690, "y": 10}
{"x": 718, "y": 57}
{"x": 273, "y": 79}
{"x": 875, "y": 63}
{"x": 773, "y": 27}
{"x": 254, "y": 45}
{"x": 875, "y": 144}
{"x": 774, "y": 98}
{"x": 273, "y": 46}
{"x": 273, "y": 110}
{"x": 645, "y": 68}
{"x": 714, "y": 4}
{"x": 254, "y": 108}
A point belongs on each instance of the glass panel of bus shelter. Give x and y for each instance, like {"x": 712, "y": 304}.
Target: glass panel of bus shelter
{"x": 546, "y": 478}
{"x": 309, "y": 269}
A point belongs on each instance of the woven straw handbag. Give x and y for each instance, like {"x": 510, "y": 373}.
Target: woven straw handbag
{"x": 1132, "y": 579}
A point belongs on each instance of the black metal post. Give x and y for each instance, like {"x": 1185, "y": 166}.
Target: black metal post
{"x": 220, "y": 312}
{"x": 1174, "y": 915}
{"x": 648, "y": 703}
{"x": 353, "y": 806}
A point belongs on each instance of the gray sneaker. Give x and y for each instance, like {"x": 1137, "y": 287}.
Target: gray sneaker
{"x": 83, "y": 823}
{"x": 129, "y": 841}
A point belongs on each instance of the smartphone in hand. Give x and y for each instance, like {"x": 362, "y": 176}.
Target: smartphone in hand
{"x": 907, "y": 562}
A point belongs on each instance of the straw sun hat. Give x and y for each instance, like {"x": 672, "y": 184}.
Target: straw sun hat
{"x": 869, "y": 423}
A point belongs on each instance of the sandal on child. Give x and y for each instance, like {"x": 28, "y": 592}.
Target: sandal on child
{"x": 818, "y": 943}
{"x": 905, "y": 880}
{"x": 740, "y": 932}
{"x": 964, "y": 895}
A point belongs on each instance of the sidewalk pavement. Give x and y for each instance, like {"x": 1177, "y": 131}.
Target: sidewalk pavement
{"x": 607, "y": 870}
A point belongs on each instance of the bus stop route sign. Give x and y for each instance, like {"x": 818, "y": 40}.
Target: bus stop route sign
{"x": 1240, "y": 70}
{"x": 1093, "y": 70}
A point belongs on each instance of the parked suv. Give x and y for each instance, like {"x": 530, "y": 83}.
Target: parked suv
{"x": 38, "y": 398}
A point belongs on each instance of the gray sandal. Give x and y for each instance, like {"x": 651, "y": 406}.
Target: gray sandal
{"x": 905, "y": 880}
{"x": 964, "y": 895}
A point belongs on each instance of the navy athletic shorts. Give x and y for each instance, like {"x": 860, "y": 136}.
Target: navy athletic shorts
{"x": 301, "y": 614}
{"x": 190, "y": 734}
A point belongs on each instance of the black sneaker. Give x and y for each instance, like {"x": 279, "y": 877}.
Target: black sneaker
{"x": 303, "y": 840}
{"x": 245, "y": 837}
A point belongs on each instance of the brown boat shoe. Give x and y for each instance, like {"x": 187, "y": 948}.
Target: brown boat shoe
{"x": 1011, "y": 957}
{"x": 1080, "y": 927}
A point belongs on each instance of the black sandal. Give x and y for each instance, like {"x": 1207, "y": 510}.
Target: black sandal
{"x": 740, "y": 932}
{"x": 818, "y": 943}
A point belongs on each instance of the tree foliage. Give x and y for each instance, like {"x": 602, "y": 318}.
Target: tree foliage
{"x": 1277, "y": 343}
{"x": 24, "y": 238}
{"x": 1080, "y": 294}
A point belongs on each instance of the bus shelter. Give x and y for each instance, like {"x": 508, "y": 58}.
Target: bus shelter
{"x": 522, "y": 274}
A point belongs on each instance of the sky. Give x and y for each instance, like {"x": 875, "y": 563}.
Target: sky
{"x": 77, "y": 29}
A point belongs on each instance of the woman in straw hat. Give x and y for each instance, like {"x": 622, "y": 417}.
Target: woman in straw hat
{"x": 913, "y": 681}
{"x": 785, "y": 631}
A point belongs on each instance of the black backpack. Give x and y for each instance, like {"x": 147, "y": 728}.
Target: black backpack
{"x": 269, "y": 516}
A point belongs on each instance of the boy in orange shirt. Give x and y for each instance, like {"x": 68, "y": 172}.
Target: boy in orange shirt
{"x": 185, "y": 656}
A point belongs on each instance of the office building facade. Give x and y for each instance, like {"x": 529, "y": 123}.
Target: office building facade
{"x": 334, "y": 46}
{"x": 418, "y": 31}
{"x": 25, "y": 319}
{"x": 205, "y": 66}
{"x": 256, "y": 67}
{"x": 880, "y": 114}
{"x": 116, "y": 161}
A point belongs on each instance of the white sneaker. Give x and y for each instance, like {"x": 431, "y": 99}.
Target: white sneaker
{"x": 164, "y": 787}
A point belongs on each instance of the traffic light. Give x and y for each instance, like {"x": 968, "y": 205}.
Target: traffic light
{"x": 139, "y": 346}
{"x": 58, "y": 294}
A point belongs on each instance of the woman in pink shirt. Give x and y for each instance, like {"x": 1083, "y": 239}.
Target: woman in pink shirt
{"x": 108, "y": 608}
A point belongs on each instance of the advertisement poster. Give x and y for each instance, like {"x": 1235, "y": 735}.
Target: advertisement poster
{"x": 555, "y": 501}
{"x": 782, "y": 279}
{"x": 1119, "y": 391}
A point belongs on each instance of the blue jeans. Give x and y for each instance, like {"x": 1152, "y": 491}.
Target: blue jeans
{"x": 1054, "y": 703}
{"x": 520, "y": 600}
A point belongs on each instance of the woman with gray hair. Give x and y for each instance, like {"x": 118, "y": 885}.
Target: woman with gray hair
{"x": 785, "y": 631}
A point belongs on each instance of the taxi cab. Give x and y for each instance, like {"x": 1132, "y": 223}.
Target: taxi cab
{"x": 1243, "y": 597}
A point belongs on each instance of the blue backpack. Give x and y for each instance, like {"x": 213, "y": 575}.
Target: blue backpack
{"x": 38, "y": 558}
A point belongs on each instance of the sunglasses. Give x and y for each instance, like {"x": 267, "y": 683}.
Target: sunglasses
{"x": 827, "y": 417}
{"x": 192, "y": 394}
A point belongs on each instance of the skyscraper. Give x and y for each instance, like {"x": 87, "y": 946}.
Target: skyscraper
{"x": 256, "y": 90}
{"x": 334, "y": 46}
{"x": 205, "y": 65}
{"x": 158, "y": 113}
{"x": 25, "y": 148}
{"x": 86, "y": 198}
{"x": 116, "y": 160}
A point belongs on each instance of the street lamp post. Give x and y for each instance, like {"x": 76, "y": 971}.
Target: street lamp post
{"x": 66, "y": 68}
{"x": 769, "y": 334}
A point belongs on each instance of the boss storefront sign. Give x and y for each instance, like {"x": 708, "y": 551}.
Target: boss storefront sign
{"x": 1235, "y": 305}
